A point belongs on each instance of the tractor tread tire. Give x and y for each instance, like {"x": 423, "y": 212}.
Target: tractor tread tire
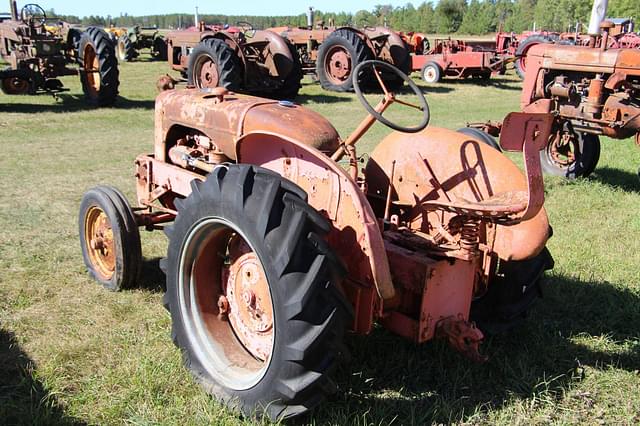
{"x": 511, "y": 294}
{"x": 108, "y": 67}
{"x": 127, "y": 53}
{"x": 226, "y": 60}
{"x": 159, "y": 49}
{"x": 358, "y": 50}
{"x": 481, "y": 136}
{"x": 524, "y": 47}
{"x": 310, "y": 313}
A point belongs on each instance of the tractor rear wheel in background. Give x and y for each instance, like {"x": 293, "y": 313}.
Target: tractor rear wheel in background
{"x": 125, "y": 50}
{"x": 159, "y": 49}
{"x": 523, "y": 48}
{"x": 15, "y": 86}
{"x": 338, "y": 56}
{"x": 431, "y": 72}
{"x": 512, "y": 293}
{"x": 109, "y": 238}
{"x": 253, "y": 298}
{"x": 572, "y": 156}
{"x": 480, "y": 136}
{"x": 392, "y": 81}
{"x": 98, "y": 67}
{"x": 212, "y": 63}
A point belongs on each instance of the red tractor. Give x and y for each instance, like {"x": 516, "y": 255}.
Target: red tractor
{"x": 276, "y": 250}
{"x": 237, "y": 58}
{"x": 331, "y": 53}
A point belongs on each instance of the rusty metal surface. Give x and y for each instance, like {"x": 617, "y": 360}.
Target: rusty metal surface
{"x": 447, "y": 165}
{"x": 227, "y": 121}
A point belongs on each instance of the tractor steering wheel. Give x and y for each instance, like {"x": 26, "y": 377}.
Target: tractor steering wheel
{"x": 33, "y": 15}
{"x": 246, "y": 26}
{"x": 389, "y": 97}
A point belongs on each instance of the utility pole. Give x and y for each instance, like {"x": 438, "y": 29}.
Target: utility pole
{"x": 196, "y": 17}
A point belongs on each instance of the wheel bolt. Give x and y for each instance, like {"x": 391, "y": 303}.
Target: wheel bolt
{"x": 250, "y": 298}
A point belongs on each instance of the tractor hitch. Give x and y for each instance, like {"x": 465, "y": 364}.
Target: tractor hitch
{"x": 463, "y": 336}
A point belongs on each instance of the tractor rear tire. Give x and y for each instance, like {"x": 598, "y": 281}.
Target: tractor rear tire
{"x": 98, "y": 67}
{"x": 480, "y": 136}
{"x": 521, "y": 53}
{"x": 212, "y": 63}
{"x": 287, "y": 275}
{"x": 159, "y": 49}
{"x": 431, "y": 72}
{"x": 125, "y": 50}
{"x": 511, "y": 294}
{"x": 109, "y": 238}
{"x": 586, "y": 153}
{"x": 338, "y": 56}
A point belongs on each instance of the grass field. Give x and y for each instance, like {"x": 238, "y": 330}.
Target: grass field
{"x": 73, "y": 353}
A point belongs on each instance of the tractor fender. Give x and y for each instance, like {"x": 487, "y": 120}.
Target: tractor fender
{"x": 394, "y": 50}
{"x": 443, "y": 164}
{"x": 355, "y": 235}
{"x": 280, "y": 61}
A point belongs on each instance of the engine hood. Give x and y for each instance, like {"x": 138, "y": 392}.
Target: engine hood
{"x": 225, "y": 118}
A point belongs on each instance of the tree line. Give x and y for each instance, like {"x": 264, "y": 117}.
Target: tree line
{"x": 445, "y": 17}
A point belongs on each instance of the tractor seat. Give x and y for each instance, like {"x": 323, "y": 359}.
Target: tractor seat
{"x": 501, "y": 207}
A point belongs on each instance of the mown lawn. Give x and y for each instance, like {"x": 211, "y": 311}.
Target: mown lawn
{"x": 73, "y": 353}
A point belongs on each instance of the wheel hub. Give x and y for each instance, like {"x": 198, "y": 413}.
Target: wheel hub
{"x": 99, "y": 239}
{"x": 209, "y": 74}
{"x": 339, "y": 64}
{"x": 250, "y": 310}
{"x": 560, "y": 150}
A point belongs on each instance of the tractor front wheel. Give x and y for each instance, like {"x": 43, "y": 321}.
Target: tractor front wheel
{"x": 571, "y": 155}
{"x": 99, "y": 67}
{"x": 338, "y": 57}
{"x": 253, "y": 298}
{"x": 212, "y": 63}
{"x": 481, "y": 136}
{"x": 109, "y": 238}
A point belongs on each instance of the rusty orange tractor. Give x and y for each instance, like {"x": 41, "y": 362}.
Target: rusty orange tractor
{"x": 276, "y": 249}
{"x": 593, "y": 90}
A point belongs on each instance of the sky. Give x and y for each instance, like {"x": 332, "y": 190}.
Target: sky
{"x": 237, "y": 7}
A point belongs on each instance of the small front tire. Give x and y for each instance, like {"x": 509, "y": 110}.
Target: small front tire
{"x": 109, "y": 238}
{"x": 431, "y": 72}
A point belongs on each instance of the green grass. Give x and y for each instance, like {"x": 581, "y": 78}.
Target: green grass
{"x": 73, "y": 353}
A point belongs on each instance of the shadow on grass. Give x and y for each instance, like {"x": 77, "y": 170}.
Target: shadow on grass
{"x": 72, "y": 103}
{"x": 321, "y": 99}
{"x": 151, "y": 276}
{"x": 491, "y": 82}
{"x": 25, "y": 400}
{"x": 391, "y": 380}
{"x": 616, "y": 178}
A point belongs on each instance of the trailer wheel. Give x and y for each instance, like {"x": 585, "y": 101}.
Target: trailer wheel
{"x": 98, "y": 67}
{"x": 338, "y": 56}
{"x": 124, "y": 49}
{"x": 480, "y": 136}
{"x": 571, "y": 159}
{"x": 431, "y": 72}
{"x": 511, "y": 294}
{"x": 212, "y": 63}
{"x": 523, "y": 48}
{"x": 109, "y": 238}
{"x": 159, "y": 49}
{"x": 254, "y": 301}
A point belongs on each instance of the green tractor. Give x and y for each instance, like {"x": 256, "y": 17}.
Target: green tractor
{"x": 134, "y": 39}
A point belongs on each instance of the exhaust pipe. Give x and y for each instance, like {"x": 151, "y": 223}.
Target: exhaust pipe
{"x": 310, "y": 18}
{"x": 14, "y": 10}
{"x": 598, "y": 13}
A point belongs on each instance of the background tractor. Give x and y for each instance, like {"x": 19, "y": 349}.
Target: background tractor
{"x": 332, "y": 53}
{"x": 130, "y": 41}
{"x": 276, "y": 249}
{"x": 237, "y": 58}
{"x": 39, "y": 52}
